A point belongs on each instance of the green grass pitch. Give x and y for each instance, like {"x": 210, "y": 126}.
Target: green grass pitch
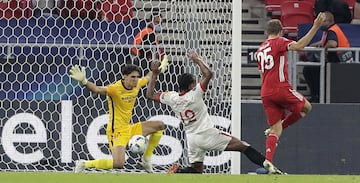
{"x": 61, "y": 177}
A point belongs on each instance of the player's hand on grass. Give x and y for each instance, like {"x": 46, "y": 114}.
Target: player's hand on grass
{"x": 164, "y": 64}
{"x": 78, "y": 74}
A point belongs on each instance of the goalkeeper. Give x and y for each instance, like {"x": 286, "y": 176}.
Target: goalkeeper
{"x": 201, "y": 134}
{"x": 121, "y": 97}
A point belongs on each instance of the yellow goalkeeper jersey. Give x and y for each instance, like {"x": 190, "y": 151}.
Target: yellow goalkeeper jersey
{"x": 121, "y": 102}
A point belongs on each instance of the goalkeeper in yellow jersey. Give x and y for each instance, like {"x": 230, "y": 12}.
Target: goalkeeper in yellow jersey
{"x": 121, "y": 97}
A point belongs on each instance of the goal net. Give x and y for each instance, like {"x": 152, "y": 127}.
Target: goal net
{"x": 48, "y": 120}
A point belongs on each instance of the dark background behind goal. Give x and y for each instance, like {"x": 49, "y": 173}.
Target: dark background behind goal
{"x": 324, "y": 142}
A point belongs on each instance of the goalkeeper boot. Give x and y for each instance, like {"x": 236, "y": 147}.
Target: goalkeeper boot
{"x": 271, "y": 168}
{"x": 79, "y": 166}
{"x": 174, "y": 168}
{"x": 146, "y": 164}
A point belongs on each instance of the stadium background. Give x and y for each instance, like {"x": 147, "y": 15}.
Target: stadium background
{"x": 37, "y": 53}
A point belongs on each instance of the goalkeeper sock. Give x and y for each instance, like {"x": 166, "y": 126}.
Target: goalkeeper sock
{"x": 104, "y": 164}
{"x": 254, "y": 156}
{"x": 153, "y": 142}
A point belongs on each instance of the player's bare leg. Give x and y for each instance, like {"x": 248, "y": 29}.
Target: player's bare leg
{"x": 118, "y": 154}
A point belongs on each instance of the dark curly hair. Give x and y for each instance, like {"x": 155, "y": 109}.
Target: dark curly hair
{"x": 185, "y": 80}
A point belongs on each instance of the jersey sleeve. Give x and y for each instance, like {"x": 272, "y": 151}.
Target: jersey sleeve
{"x": 142, "y": 82}
{"x": 110, "y": 89}
{"x": 202, "y": 87}
{"x": 284, "y": 44}
{"x": 167, "y": 97}
{"x": 199, "y": 90}
{"x": 281, "y": 44}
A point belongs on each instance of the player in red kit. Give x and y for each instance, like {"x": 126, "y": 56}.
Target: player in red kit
{"x": 277, "y": 94}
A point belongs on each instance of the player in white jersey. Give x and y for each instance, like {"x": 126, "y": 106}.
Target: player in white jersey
{"x": 190, "y": 108}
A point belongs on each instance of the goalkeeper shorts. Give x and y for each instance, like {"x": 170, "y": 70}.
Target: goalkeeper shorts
{"x": 122, "y": 137}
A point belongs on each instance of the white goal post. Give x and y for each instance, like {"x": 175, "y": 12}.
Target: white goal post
{"x": 48, "y": 120}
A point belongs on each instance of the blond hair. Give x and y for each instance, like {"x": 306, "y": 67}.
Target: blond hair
{"x": 273, "y": 27}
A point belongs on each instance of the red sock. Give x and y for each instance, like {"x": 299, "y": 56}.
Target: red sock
{"x": 292, "y": 118}
{"x": 271, "y": 143}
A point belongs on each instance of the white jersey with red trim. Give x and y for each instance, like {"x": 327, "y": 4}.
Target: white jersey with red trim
{"x": 190, "y": 108}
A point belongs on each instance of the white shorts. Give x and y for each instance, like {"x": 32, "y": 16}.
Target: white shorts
{"x": 209, "y": 140}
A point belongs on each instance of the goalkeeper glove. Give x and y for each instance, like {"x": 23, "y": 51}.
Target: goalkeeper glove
{"x": 164, "y": 64}
{"x": 78, "y": 75}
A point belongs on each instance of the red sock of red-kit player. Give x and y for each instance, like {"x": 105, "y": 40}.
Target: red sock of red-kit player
{"x": 271, "y": 143}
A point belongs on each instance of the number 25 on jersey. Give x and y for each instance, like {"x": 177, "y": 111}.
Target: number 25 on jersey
{"x": 266, "y": 60}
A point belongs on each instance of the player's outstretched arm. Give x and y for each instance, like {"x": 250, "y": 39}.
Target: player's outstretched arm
{"x": 318, "y": 22}
{"x": 162, "y": 68}
{"x": 149, "y": 75}
{"x": 204, "y": 68}
{"x": 80, "y": 76}
{"x": 150, "y": 94}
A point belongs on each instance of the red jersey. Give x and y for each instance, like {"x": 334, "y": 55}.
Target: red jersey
{"x": 272, "y": 62}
